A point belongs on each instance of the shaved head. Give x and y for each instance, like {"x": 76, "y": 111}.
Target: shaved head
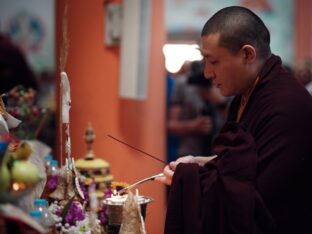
{"x": 239, "y": 26}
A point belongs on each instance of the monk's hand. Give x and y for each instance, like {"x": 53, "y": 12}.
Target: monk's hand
{"x": 167, "y": 178}
{"x": 169, "y": 169}
{"x": 185, "y": 159}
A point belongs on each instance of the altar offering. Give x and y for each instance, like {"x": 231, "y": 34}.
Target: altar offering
{"x": 96, "y": 168}
{"x": 116, "y": 208}
{"x": 16, "y": 172}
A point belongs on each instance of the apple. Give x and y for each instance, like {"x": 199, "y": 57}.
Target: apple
{"x": 23, "y": 151}
{"x": 25, "y": 172}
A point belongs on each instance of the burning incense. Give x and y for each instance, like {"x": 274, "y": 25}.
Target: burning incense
{"x": 151, "y": 156}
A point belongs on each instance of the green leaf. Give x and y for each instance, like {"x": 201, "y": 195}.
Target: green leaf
{"x": 67, "y": 207}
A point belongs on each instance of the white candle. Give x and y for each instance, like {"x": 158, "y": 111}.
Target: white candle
{"x": 116, "y": 200}
{"x": 137, "y": 192}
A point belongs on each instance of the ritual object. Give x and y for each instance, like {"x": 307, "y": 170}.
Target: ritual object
{"x": 96, "y": 168}
{"x": 132, "y": 221}
{"x": 116, "y": 205}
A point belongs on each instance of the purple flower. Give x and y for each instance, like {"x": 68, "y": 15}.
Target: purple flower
{"x": 108, "y": 193}
{"x": 52, "y": 183}
{"x": 84, "y": 189}
{"x": 74, "y": 214}
{"x": 59, "y": 211}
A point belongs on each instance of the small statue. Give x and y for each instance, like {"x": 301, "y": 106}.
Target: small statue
{"x": 94, "y": 167}
{"x": 89, "y": 138}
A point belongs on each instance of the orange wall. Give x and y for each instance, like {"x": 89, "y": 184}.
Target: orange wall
{"x": 303, "y": 29}
{"x": 93, "y": 71}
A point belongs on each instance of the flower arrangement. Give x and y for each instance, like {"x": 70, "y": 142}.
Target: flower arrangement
{"x": 52, "y": 183}
{"x": 77, "y": 216}
{"x": 22, "y": 105}
{"x": 74, "y": 214}
{"x": 73, "y": 218}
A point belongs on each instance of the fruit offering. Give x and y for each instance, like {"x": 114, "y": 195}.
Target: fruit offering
{"x": 16, "y": 173}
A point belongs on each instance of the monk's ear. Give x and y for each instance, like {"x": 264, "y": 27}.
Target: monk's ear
{"x": 249, "y": 53}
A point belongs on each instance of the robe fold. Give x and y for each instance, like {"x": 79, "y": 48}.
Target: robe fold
{"x": 259, "y": 183}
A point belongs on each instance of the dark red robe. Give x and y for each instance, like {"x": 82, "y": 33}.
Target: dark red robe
{"x": 259, "y": 183}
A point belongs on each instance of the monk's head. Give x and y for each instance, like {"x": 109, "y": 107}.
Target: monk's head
{"x": 235, "y": 45}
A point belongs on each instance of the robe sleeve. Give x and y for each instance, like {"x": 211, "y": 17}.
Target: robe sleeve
{"x": 183, "y": 211}
{"x": 219, "y": 197}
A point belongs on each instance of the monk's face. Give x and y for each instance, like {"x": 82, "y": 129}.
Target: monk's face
{"x": 229, "y": 72}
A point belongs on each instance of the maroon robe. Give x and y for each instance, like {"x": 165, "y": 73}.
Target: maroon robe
{"x": 259, "y": 183}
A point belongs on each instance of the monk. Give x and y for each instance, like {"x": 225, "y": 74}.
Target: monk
{"x": 259, "y": 179}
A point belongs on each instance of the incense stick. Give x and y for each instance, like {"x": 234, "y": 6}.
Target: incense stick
{"x": 152, "y": 156}
{"x": 140, "y": 182}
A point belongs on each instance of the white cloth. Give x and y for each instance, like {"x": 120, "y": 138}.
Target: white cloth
{"x": 4, "y": 129}
{"x": 5, "y": 125}
{"x": 12, "y": 121}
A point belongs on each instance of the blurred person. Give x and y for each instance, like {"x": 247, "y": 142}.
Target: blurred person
{"x": 303, "y": 73}
{"x": 14, "y": 69}
{"x": 185, "y": 118}
{"x": 258, "y": 181}
{"x": 172, "y": 140}
{"x": 214, "y": 107}
{"x": 174, "y": 82}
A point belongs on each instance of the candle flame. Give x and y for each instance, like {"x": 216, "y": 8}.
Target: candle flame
{"x": 115, "y": 192}
{"x": 18, "y": 186}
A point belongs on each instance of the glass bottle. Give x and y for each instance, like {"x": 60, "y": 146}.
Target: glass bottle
{"x": 47, "y": 160}
{"x": 37, "y": 216}
{"x": 47, "y": 220}
{"x": 53, "y": 168}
